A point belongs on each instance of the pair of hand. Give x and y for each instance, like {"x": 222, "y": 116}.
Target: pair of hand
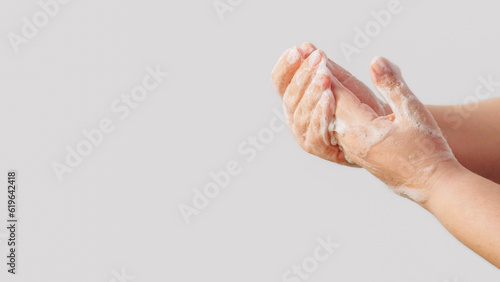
{"x": 338, "y": 118}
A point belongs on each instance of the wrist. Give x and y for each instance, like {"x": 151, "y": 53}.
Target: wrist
{"x": 442, "y": 182}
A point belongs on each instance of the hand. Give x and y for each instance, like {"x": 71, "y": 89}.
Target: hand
{"x": 404, "y": 149}
{"x": 399, "y": 142}
{"x": 284, "y": 72}
{"x": 303, "y": 81}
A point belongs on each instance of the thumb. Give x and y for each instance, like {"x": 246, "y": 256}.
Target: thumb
{"x": 389, "y": 82}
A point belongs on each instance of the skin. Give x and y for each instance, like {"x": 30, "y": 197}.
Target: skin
{"x": 400, "y": 141}
{"x": 474, "y": 140}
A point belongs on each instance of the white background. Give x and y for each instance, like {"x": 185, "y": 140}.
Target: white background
{"x": 119, "y": 209}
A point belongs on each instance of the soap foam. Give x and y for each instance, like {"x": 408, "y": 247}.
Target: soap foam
{"x": 326, "y": 96}
{"x": 348, "y": 159}
{"x": 293, "y": 56}
{"x": 324, "y": 119}
{"x": 417, "y": 195}
{"x": 405, "y": 110}
{"x": 376, "y": 135}
{"x": 300, "y": 79}
{"x": 314, "y": 58}
{"x": 323, "y": 69}
{"x": 338, "y": 126}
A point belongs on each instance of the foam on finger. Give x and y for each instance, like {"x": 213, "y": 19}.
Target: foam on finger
{"x": 293, "y": 55}
{"x": 285, "y": 69}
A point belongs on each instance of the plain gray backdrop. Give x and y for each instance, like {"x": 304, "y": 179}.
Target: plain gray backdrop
{"x": 118, "y": 211}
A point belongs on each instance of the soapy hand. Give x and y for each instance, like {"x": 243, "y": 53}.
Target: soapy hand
{"x": 303, "y": 80}
{"x": 403, "y": 149}
{"x": 399, "y": 142}
{"x": 293, "y": 90}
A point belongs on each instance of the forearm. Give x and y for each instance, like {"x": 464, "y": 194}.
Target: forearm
{"x": 473, "y": 133}
{"x": 468, "y": 206}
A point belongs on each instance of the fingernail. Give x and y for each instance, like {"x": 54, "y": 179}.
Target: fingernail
{"x": 378, "y": 66}
{"x": 381, "y": 66}
{"x": 308, "y": 48}
{"x": 323, "y": 69}
{"x": 307, "y": 45}
{"x": 314, "y": 58}
{"x": 293, "y": 55}
{"x": 322, "y": 76}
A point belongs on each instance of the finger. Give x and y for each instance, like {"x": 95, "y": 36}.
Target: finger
{"x": 320, "y": 141}
{"x": 302, "y": 115}
{"x": 285, "y": 69}
{"x": 364, "y": 94}
{"x": 352, "y": 119}
{"x": 300, "y": 82}
{"x": 307, "y": 48}
{"x": 390, "y": 83}
{"x": 322, "y": 116}
{"x": 350, "y": 111}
